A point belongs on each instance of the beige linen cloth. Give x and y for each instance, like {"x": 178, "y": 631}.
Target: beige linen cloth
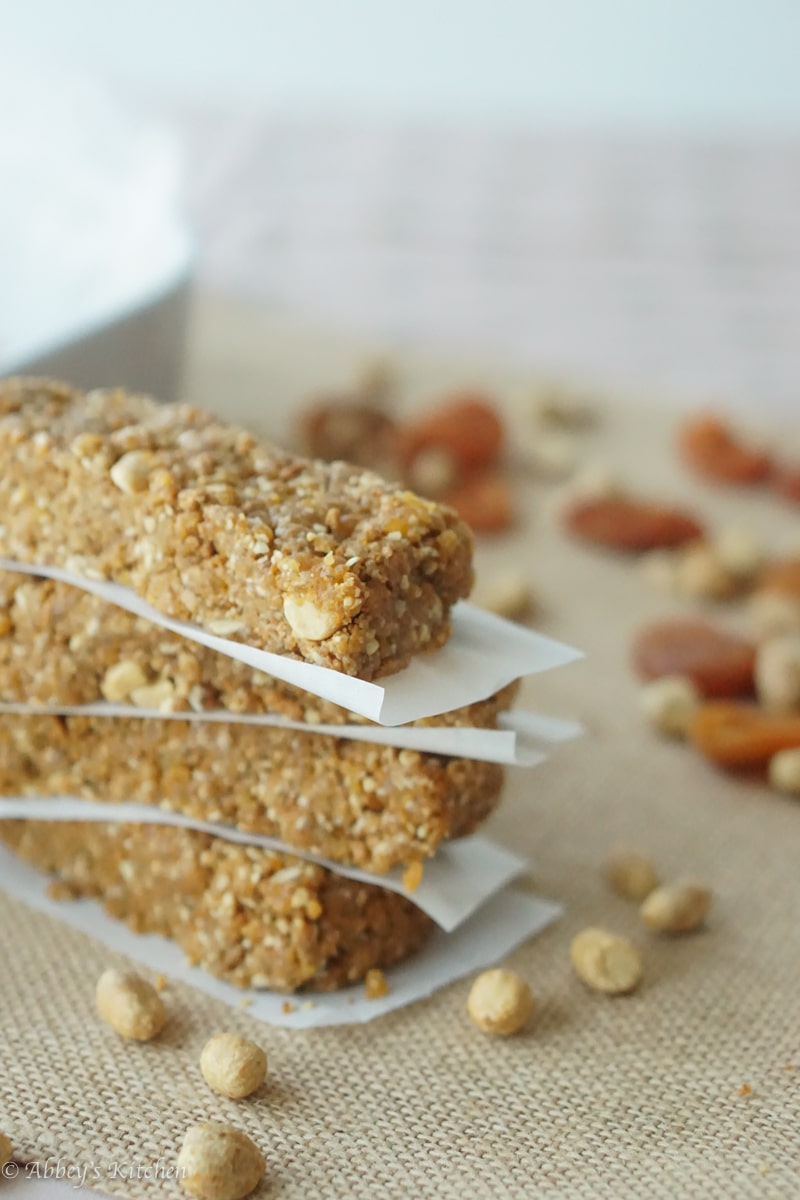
{"x": 635, "y": 1097}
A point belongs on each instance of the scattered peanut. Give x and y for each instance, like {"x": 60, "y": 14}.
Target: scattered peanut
{"x": 740, "y": 553}
{"x": 130, "y": 1005}
{"x": 551, "y": 455}
{"x": 6, "y": 1150}
{"x": 233, "y": 1066}
{"x": 659, "y": 569}
{"x": 217, "y": 1162}
{"x": 500, "y": 1002}
{"x": 121, "y": 679}
{"x": 676, "y": 907}
{"x": 507, "y": 596}
{"x": 778, "y": 672}
{"x": 669, "y": 704}
{"x": 554, "y": 405}
{"x": 631, "y": 874}
{"x": 772, "y": 613}
{"x": 606, "y": 962}
{"x": 784, "y": 771}
{"x": 595, "y": 480}
{"x": 702, "y": 574}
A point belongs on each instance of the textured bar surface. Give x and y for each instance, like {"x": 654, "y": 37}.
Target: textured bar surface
{"x": 365, "y": 805}
{"x": 249, "y": 916}
{"x": 323, "y": 562}
{"x": 60, "y": 645}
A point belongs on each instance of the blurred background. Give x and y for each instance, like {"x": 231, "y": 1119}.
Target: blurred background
{"x": 605, "y": 189}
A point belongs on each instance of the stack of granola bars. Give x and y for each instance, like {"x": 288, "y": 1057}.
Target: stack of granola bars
{"x": 323, "y": 563}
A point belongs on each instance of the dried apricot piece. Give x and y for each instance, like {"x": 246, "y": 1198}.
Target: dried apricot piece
{"x": 484, "y": 501}
{"x": 713, "y": 450}
{"x": 467, "y": 428}
{"x": 736, "y": 736}
{"x": 786, "y": 481}
{"x": 782, "y": 576}
{"x": 630, "y": 525}
{"x": 718, "y": 664}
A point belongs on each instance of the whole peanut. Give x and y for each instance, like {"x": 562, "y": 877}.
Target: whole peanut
{"x": 631, "y": 874}
{"x": 217, "y": 1162}
{"x": 130, "y": 1005}
{"x": 233, "y": 1066}
{"x": 606, "y": 962}
{"x": 676, "y": 907}
{"x": 500, "y": 1002}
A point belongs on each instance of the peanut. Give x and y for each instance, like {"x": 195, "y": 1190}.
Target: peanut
{"x": 778, "y": 673}
{"x": 740, "y": 553}
{"x": 784, "y": 771}
{"x": 703, "y": 575}
{"x": 670, "y": 703}
{"x": 131, "y": 472}
{"x": 631, "y": 874}
{"x": 217, "y": 1162}
{"x": 309, "y": 621}
{"x": 122, "y": 679}
{"x": 500, "y": 1002}
{"x": 606, "y": 962}
{"x": 130, "y": 1005}
{"x": 507, "y": 596}
{"x": 772, "y": 613}
{"x": 233, "y": 1066}
{"x": 676, "y": 907}
{"x": 6, "y": 1150}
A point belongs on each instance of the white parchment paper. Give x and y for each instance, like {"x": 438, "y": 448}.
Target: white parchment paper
{"x": 483, "y": 654}
{"x": 492, "y": 932}
{"x": 455, "y": 882}
{"x": 523, "y": 739}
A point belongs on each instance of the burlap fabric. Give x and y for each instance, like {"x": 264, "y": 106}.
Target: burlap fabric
{"x": 632, "y": 1097}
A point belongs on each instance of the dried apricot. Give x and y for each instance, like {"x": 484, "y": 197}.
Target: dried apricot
{"x": 484, "y": 501}
{"x": 714, "y": 451}
{"x": 781, "y": 576}
{"x": 468, "y": 428}
{"x": 629, "y": 525}
{"x": 718, "y": 664}
{"x": 786, "y": 481}
{"x": 736, "y": 736}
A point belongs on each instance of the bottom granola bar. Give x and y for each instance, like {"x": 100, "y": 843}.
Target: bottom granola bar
{"x": 249, "y": 916}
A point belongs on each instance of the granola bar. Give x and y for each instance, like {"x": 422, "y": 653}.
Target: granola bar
{"x": 324, "y": 562}
{"x": 60, "y": 645}
{"x": 250, "y": 916}
{"x": 371, "y": 806}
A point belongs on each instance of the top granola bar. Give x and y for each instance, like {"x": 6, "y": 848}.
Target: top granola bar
{"x": 322, "y": 562}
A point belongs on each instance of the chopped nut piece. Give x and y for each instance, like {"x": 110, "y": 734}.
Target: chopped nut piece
{"x": 154, "y": 695}
{"x": 218, "y": 1162}
{"x": 778, "y": 672}
{"x": 631, "y": 874}
{"x": 225, "y": 627}
{"x": 132, "y": 472}
{"x": 606, "y": 962}
{"x": 130, "y": 1005}
{"x": 122, "y": 679}
{"x": 500, "y": 1002}
{"x": 784, "y": 771}
{"x": 412, "y": 876}
{"x": 6, "y": 1150}
{"x": 508, "y": 596}
{"x": 376, "y": 985}
{"x": 311, "y": 622}
{"x": 669, "y": 704}
{"x": 676, "y": 907}
{"x": 233, "y": 1066}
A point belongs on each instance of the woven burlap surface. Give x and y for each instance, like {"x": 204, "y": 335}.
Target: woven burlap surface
{"x": 630, "y": 1097}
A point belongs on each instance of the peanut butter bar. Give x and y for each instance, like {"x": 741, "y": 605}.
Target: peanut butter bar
{"x": 60, "y": 645}
{"x": 323, "y": 562}
{"x": 366, "y": 805}
{"x": 252, "y": 917}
